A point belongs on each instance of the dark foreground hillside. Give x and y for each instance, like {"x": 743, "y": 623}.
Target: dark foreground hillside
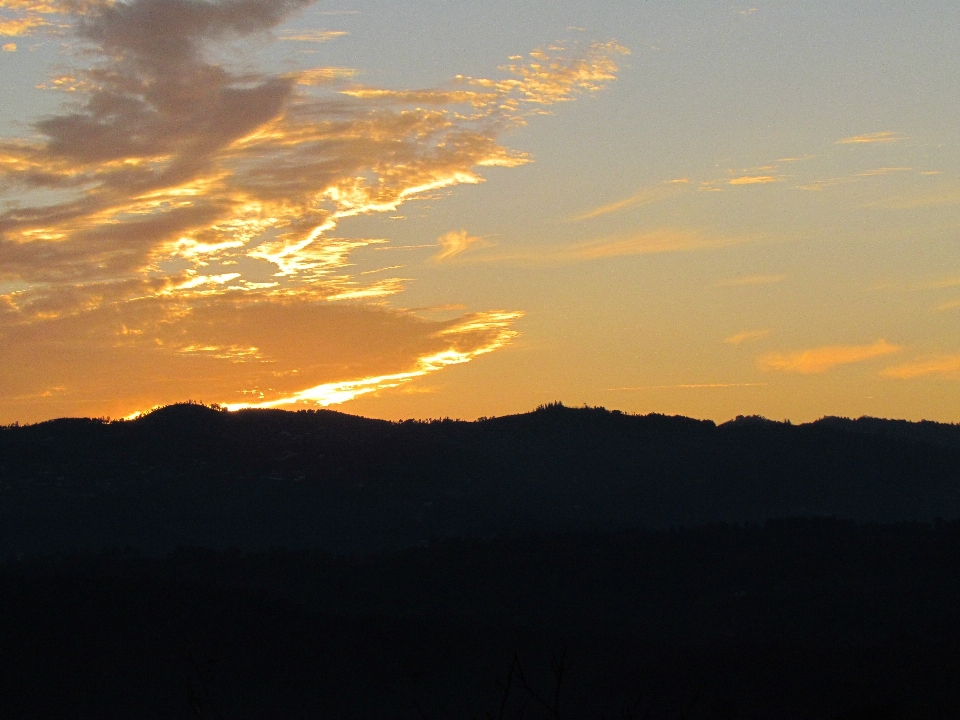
{"x": 266, "y": 564}
{"x": 794, "y": 619}
{"x": 188, "y": 475}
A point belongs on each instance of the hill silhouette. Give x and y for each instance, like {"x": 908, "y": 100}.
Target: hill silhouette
{"x": 191, "y": 475}
{"x": 200, "y": 563}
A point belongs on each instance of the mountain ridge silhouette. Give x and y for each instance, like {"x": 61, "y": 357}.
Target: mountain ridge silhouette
{"x": 192, "y": 475}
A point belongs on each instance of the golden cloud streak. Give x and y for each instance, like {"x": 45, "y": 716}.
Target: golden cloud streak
{"x": 943, "y": 366}
{"x": 746, "y": 336}
{"x": 22, "y": 26}
{"x": 646, "y": 196}
{"x": 822, "y": 359}
{"x": 653, "y": 242}
{"x": 497, "y": 324}
{"x": 938, "y": 199}
{"x": 693, "y": 386}
{"x": 754, "y": 180}
{"x": 877, "y": 137}
{"x": 44, "y": 8}
{"x": 657, "y": 241}
{"x": 323, "y": 75}
{"x": 313, "y": 36}
{"x": 456, "y": 242}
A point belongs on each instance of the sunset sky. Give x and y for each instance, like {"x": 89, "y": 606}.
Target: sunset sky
{"x": 428, "y": 208}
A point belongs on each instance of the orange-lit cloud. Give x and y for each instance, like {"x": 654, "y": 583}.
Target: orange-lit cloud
{"x": 110, "y": 358}
{"x": 754, "y": 180}
{"x": 646, "y": 196}
{"x": 693, "y": 386}
{"x": 915, "y": 202}
{"x": 657, "y": 241}
{"x": 822, "y": 359}
{"x": 22, "y": 26}
{"x": 315, "y": 36}
{"x": 653, "y": 242}
{"x": 867, "y": 138}
{"x": 456, "y": 242}
{"x": 9, "y": 47}
{"x": 942, "y": 366}
{"x": 186, "y": 188}
{"x": 323, "y": 76}
{"x": 746, "y": 336}
{"x": 469, "y": 338}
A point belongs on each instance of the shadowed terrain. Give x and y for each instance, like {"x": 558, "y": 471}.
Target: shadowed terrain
{"x": 188, "y": 475}
{"x": 262, "y": 564}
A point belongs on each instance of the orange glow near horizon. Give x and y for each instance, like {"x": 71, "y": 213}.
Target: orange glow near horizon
{"x": 264, "y": 204}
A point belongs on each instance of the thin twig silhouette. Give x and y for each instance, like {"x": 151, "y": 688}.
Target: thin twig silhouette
{"x": 559, "y": 667}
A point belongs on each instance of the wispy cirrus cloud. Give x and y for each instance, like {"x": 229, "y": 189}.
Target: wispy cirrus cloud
{"x": 313, "y": 36}
{"x": 821, "y": 359}
{"x": 746, "y": 336}
{"x": 651, "y": 242}
{"x": 692, "y": 386}
{"x": 869, "y": 138}
{"x": 187, "y": 187}
{"x": 940, "y": 198}
{"x": 240, "y": 350}
{"x": 646, "y": 196}
{"x": 465, "y": 340}
{"x": 941, "y": 366}
{"x": 648, "y": 243}
{"x": 455, "y": 243}
{"x": 754, "y": 180}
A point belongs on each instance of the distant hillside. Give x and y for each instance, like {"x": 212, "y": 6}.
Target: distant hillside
{"x": 188, "y": 475}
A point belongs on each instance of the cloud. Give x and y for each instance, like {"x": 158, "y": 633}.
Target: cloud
{"x": 9, "y": 47}
{"x": 466, "y": 339}
{"x": 22, "y": 26}
{"x": 110, "y": 358}
{"x": 884, "y": 171}
{"x": 323, "y": 75}
{"x": 754, "y": 180}
{"x": 915, "y": 202}
{"x": 942, "y": 366}
{"x": 877, "y": 137}
{"x": 646, "y": 196}
{"x": 822, "y": 359}
{"x": 456, "y": 242}
{"x": 692, "y": 386}
{"x": 179, "y": 181}
{"x": 653, "y": 242}
{"x": 648, "y": 243}
{"x": 313, "y": 36}
{"x": 817, "y": 185}
{"x": 747, "y": 280}
{"x": 746, "y": 336}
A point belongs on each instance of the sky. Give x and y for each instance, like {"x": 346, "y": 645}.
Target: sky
{"x": 428, "y": 208}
